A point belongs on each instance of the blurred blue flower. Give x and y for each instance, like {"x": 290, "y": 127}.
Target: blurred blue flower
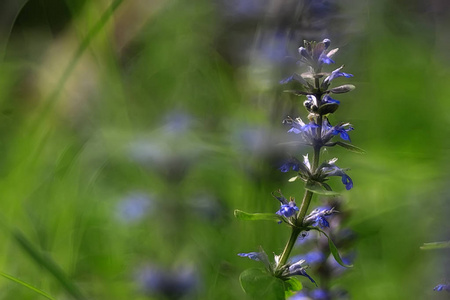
{"x": 312, "y": 257}
{"x": 134, "y": 207}
{"x": 442, "y": 287}
{"x": 292, "y": 163}
{"x": 173, "y": 284}
{"x": 305, "y": 237}
{"x": 302, "y": 295}
{"x": 320, "y": 294}
{"x": 335, "y": 268}
{"x": 178, "y": 122}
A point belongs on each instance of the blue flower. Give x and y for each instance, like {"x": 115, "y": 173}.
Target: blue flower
{"x": 335, "y": 74}
{"x": 318, "y": 217}
{"x": 442, "y": 287}
{"x": 257, "y": 256}
{"x": 298, "y": 268}
{"x": 342, "y": 131}
{"x": 330, "y": 169}
{"x": 329, "y": 131}
{"x": 288, "y": 210}
{"x": 315, "y": 53}
{"x": 321, "y": 222}
{"x": 299, "y": 127}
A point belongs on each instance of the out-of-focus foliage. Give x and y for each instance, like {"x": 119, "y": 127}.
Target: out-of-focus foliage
{"x": 129, "y": 130}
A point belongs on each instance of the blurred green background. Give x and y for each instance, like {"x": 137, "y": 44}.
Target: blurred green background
{"x": 131, "y": 130}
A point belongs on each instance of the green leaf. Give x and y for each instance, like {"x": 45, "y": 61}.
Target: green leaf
{"x": 334, "y": 251}
{"x": 261, "y": 285}
{"x": 242, "y": 215}
{"x": 350, "y": 147}
{"x": 292, "y": 285}
{"x": 23, "y": 283}
{"x": 318, "y": 189}
{"x": 435, "y": 245}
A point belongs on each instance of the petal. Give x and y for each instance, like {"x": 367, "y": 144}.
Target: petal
{"x": 252, "y": 255}
{"x": 325, "y": 59}
{"x": 347, "y": 181}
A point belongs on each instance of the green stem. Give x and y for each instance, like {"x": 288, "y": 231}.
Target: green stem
{"x": 290, "y": 244}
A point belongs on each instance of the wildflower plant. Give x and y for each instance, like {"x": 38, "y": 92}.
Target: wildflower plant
{"x": 278, "y": 280}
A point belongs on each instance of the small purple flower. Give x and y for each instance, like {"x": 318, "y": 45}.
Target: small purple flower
{"x": 257, "y": 256}
{"x": 330, "y": 169}
{"x": 335, "y": 74}
{"x": 299, "y": 127}
{"x": 312, "y": 257}
{"x": 315, "y": 53}
{"x": 342, "y": 131}
{"x": 321, "y": 222}
{"x": 288, "y": 210}
{"x": 298, "y": 268}
{"x": 442, "y": 287}
{"x": 318, "y": 217}
{"x": 173, "y": 284}
{"x": 329, "y": 131}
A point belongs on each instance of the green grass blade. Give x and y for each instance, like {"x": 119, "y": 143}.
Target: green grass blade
{"x": 49, "y": 265}
{"x": 23, "y": 283}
